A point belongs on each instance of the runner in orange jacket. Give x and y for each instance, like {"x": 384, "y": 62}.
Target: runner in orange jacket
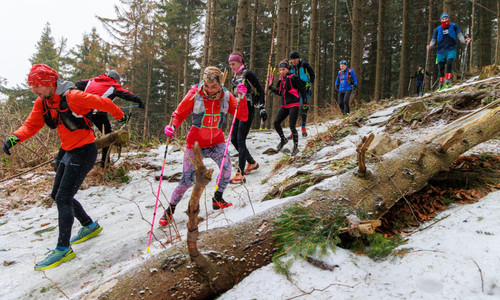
{"x": 67, "y": 110}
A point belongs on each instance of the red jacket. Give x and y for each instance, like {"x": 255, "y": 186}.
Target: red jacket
{"x": 206, "y": 137}
{"x": 106, "y": 87}
{"x": 80, "y": 103}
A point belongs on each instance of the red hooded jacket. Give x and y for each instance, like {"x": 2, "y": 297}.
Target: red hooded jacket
{"x": 106, "y": 87}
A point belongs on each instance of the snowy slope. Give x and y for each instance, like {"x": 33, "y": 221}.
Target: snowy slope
{"x": 456, "y": 258}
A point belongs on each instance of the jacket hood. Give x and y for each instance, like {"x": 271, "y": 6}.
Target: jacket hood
{"x": 63, "y": 86}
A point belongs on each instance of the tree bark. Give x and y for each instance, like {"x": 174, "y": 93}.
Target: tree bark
{"x": 269, "y": 106}
{"x": 447, "y": 5}
{"x": 239, "y": 31}
{"x": 484, "y": 35}
{"x": 255, "y": 12}
{"x": 357, "y": 46}
{"x": 472, "y": 28}
{"x": 281, "y": 39}
{"x": 118, "y": 138}
{"x": 497, "y": 49}
{"x": 313, "y": 42}
{"x": 206, "y": 42}
{"x": 403, "y": 66}
{"x": 333, "y": 101}
{"x": 380, "y": 50}
{"x": 202, "y": 178}
{"x": 430, "y": 30}
{"x": 247, "y": 245}
{"x": 211, "y": 38}
{"x": 187, "y": 47}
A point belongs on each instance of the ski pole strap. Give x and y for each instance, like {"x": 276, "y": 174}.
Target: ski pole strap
{"x": 129, "y": 106}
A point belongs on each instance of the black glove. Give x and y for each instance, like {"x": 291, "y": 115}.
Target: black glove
{"x": 305, "y": 107}
{"x": 55, "y": 163}
{"x": 10, "y": 141}
{"x": 263, "y": 114}
{"x": 141, "y": 104}
{"x": 125, "y": 119}
{"x": 308, "y": 89}
{"x": 354, "y": 88}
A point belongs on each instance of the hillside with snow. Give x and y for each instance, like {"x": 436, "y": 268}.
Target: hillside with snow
{"x": 453, "y": 256}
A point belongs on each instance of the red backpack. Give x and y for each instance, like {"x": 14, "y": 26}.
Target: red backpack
{"x": 349, "y": 77}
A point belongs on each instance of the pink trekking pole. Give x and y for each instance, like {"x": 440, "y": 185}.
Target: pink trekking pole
{"x": 159, "y": 188}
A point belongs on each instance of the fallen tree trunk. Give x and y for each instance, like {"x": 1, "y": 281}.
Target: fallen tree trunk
{"x": 239, "y": 249}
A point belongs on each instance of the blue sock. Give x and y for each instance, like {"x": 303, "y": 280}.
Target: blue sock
{"x": 62, "y": 249}
{"x": 90, "y": 225}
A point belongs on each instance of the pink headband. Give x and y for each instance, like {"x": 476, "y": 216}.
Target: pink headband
{"x": 236, "y": 58}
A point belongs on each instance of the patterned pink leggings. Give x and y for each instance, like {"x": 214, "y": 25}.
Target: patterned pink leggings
{"x": 216, "y": 153}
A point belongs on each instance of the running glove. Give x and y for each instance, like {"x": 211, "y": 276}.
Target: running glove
{"x": 242, "y": 89}
{"x": 125, "y": 119}
{"x": 169, "y": 131}
{"x": 10, "y": 141}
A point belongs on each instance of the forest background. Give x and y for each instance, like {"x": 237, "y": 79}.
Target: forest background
{"x": 161, "y": 47}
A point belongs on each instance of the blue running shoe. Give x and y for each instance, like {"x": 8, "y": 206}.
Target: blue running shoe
{"x": 86, "y": 233}
{"x": 55, "y": 258}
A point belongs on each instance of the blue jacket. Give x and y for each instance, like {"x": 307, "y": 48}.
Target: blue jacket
{"x": 342, "y": 85}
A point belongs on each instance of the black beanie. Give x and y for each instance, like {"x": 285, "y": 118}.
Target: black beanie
{"x": 294, "y": 54}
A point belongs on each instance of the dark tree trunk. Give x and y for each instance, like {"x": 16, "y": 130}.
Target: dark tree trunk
{"x": 313, "y": 42}
{"x": 485, "y": 34}
{"x": 357, "y": 45}
{"x": 430, "y": 29}
{"x": 255, "y": 12}
{"x": 403, "y": 63}
{"x": 380, "y": 50}
{"x": 334, "y": 64}
{"x": 280, "y": 45}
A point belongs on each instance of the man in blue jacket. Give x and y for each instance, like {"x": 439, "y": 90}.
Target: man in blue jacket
{"x": 446, "y": 37}
{"x": 345, "y": 83}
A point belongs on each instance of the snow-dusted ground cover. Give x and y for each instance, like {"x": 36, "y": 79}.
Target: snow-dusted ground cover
{"x": 455, "y": 258}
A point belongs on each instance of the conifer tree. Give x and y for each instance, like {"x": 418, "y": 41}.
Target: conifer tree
{"x": 46, "y": 50}
{"x": 91, "y": 58}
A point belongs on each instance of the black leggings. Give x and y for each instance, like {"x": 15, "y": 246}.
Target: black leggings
{"x": 344, "y": 101}
{"x": 419, "y": 85}
{"x": 281, "y": 115}
{"x": 303, "y": 112}
{"x": 71, "y": 172}
{"x": 239, "y": 137}
{"x": 100, "y": 120}
{"x": 449, "y": 67}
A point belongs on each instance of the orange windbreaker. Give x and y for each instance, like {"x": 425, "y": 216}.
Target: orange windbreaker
{"x": 206, "y": 137}
{"x": 80, "y": 103}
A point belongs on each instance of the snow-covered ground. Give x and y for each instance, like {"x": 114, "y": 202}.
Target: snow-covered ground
{"x": 456, "y": 258}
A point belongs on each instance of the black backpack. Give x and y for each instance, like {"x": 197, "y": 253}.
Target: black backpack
{"x": 66, "y": 117}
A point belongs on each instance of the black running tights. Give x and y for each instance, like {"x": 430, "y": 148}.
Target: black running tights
{"x": 71, "y": 172}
